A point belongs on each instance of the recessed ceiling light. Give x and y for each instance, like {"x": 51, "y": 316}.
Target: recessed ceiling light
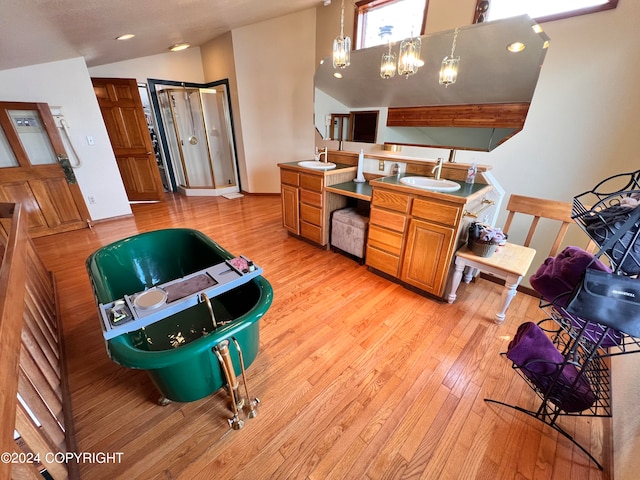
{"x": 179, "y": 46}
{"x": 126, "y": 36}
{"x": 516, "y": 47}
{"x": 537, "y": 28}
{"x": 337, "y": 75}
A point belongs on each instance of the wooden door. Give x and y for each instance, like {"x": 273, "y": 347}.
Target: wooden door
{"x": 123, "y": 115}
{"x": 35, "y": 170}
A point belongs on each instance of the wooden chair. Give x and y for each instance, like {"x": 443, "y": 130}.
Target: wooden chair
{"x": 511, "y": 261}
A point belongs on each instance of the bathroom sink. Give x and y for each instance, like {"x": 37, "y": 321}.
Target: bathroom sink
{"x": 432, "y": 184}
{"x": 317, "y": 165}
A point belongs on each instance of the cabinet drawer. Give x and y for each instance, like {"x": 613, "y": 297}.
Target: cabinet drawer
{"x": 311, "y": 198}
{"x": 387, "y": 219}
{"x": 311, "y": 182}
{"x": 289, "y": 178}
{"x": 383, "y": 261}
{"x": 391, "y": 200}
{"x": 311, "y": 232}
{"x": 444, "y": 213}
{"x": 311, "y": 214}
{"x": 385, "y": 239}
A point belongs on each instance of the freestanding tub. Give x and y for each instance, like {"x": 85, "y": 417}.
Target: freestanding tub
{"x": 177, "y": 351}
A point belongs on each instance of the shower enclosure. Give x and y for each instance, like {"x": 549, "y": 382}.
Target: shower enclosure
{"x": 198, "y": 138}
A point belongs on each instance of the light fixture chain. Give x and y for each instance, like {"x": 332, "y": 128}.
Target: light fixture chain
{"x": 455, "y": 38}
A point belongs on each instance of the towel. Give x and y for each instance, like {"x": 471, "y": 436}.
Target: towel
{"x": 539, "y": 360}
{"x": 556, "y": 278}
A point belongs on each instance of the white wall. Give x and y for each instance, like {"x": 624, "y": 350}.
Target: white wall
{"x": 274, "y": 68}
{"x": 67, "y": 84}
{"x": 582, "y": 126}
{"x": 183, "y": 66}
{"x": 218, "y": 63}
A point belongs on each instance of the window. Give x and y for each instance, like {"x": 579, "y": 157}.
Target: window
{"x": 382, "y": 21}
{"x": 541, "y": 10}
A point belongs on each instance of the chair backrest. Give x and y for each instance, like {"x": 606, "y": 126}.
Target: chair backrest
{"x": 540, "y": 208}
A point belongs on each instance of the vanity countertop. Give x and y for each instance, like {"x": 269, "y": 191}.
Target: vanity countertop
{"x": 340, "y": 167}
{"x": 462, "y": 195}
{"x": 360, "y": 190}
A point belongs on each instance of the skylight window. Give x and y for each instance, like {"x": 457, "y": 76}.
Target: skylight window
{"x": 541, "y": 10}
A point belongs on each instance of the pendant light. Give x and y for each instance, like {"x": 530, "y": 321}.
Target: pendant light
{"x": 409, "y": 56}
{"x": 388, "y": 64}
{"x": 341, "y": 45}
{"x": 450, "y": 64}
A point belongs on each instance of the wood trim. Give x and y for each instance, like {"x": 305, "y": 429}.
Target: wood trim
{"x": 494, "y": 115}
{"x": 12, "y": 290}
{"x": 32, "y": 358}
{"x": 69, "y": 425}
{"x": 452, "y": 170}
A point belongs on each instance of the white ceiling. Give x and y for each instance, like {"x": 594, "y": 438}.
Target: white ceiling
{"x": 39, "y": 31}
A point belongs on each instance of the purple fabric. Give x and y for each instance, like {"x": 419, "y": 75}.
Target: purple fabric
{"x": 556, "y": 278}
{"x": 530, "y": 344}
{"x": 538, "y": 358}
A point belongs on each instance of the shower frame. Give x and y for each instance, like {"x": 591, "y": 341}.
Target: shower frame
{"x": 158, "y": 85}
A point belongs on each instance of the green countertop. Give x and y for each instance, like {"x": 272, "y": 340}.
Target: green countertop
{"x": 352, "y": 189}
{"x": 465, "y": 190}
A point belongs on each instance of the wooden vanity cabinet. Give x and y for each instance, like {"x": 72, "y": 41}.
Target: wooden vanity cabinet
{"x": 413, "y": 237}
{"x": 430, "y": 244}
{"x": 387, "y": 225}
{"x": 302, "y": 202}
{"x": 306, "y": 207}
{"x": 311, "y": 203}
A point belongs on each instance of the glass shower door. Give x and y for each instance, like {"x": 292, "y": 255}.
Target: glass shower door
{"x": 196, "y": 132}
{"x": 216, "y": 118}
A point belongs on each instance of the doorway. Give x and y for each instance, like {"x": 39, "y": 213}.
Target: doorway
{"x": 196, "y": 131}
{"x": 124, "y": 118}
{"x": 35, "y": 170}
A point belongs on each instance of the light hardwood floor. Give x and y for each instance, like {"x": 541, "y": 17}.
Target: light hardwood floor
{"x": 359, "y": 377}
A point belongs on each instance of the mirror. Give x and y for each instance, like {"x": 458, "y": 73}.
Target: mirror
{"x": 417, "y": 110}
{"x": 365, "y": 125}
{"x": 360, "y": 126}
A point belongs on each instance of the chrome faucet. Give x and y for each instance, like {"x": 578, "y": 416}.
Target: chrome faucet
{"x": 319, "y": 154}
{"x": 437, "y": 170}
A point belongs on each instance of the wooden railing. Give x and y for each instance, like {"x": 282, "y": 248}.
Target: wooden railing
{"x": 34, "y": 399}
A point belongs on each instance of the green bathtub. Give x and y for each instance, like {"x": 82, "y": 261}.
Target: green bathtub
{"x": 177, "y": 350}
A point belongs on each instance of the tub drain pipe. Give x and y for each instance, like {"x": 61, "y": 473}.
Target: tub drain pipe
{"x": 250, "y": 406}
{"x": 222, "y": 352}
